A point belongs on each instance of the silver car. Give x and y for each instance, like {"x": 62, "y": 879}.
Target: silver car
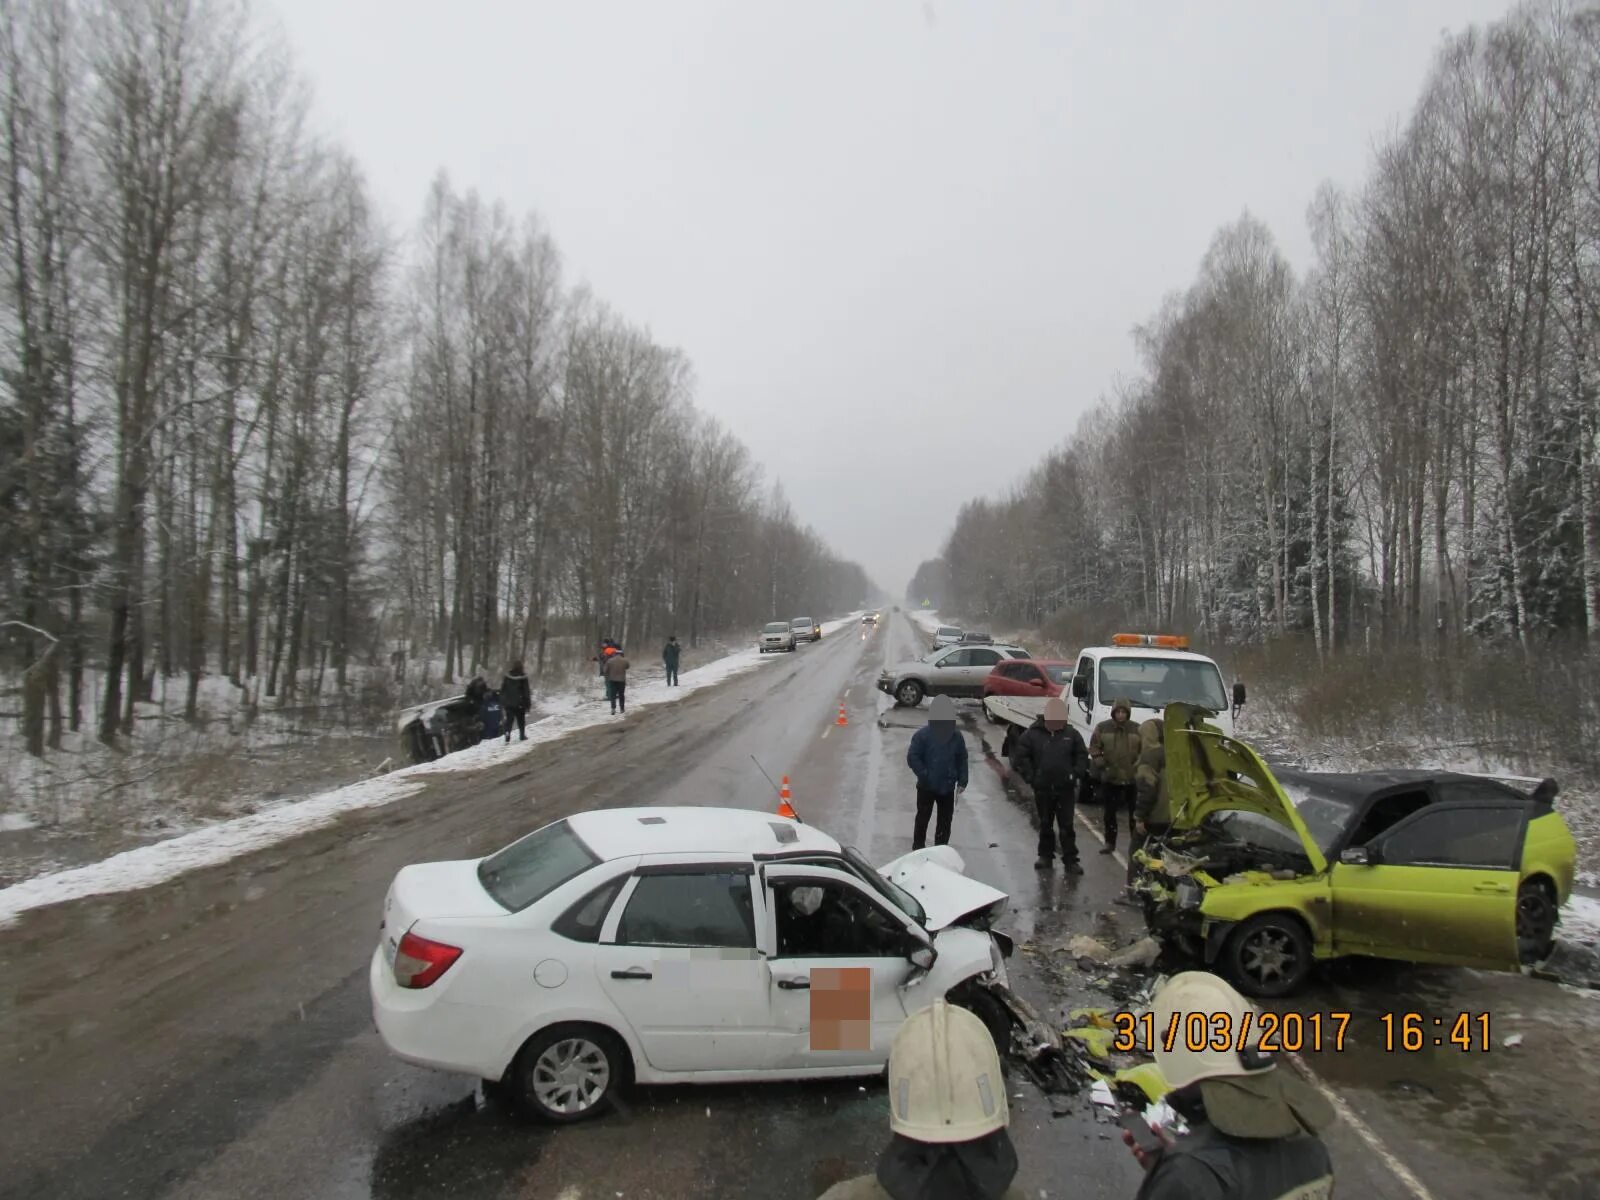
{"x": 776, "y": 635}
{"x": 951, "y": 671}
{"x": 946, "y": 635}
{"x": 805, "y": 629}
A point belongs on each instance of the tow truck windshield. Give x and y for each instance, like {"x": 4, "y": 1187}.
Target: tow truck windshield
{"x": 1157, "y": 682}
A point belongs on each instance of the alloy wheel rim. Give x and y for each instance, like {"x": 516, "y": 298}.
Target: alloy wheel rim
{"x": 1269, "y": 956}
{"x": 571, "y": 1076}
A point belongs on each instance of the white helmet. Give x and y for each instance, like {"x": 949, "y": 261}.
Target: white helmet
{"x": 1207, "y": 1010}
{"x": 944, "y": 1077}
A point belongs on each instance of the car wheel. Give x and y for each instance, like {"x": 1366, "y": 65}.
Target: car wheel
{"x": 983, "y": 1004}
{"x": 568, "y": 1073}
{"x": 1268, "y": 956}
{"x": 908, "y": 694}
{"x": 1536, "y": 921}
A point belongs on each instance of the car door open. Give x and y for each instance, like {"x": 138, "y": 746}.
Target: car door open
{"x": 1439, "y": 886}
{"x": 678, "y": 958}
{"x": 840, "y": 963}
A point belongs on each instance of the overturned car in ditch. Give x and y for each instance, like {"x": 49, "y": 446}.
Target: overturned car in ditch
{"x": 1262, "y": 874}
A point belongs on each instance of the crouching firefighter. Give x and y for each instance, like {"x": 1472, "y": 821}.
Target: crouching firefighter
{"x": 947, "y": 1116}
{"x": 1253, "y": 1124}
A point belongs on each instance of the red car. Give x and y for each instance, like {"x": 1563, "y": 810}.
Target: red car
{"x": 1027, "y": 677}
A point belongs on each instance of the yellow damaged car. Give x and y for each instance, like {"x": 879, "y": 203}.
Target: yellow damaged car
{"x": 1261, "y": 874}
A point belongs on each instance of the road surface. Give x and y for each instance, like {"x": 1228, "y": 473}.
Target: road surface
{"x": 212, "y": 1037}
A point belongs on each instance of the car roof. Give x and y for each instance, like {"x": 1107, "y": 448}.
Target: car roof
{"x": 620, "y": 832}
{"x": 1142, "y": 652}
{"x": 1353, "y": 787}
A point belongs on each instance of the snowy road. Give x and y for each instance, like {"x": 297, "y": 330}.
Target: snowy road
{"x": 210, "y": 1037}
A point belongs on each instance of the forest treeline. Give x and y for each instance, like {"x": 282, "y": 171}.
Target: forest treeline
{"x": 1395, "y": 447}
{"x": 247, "y": 431}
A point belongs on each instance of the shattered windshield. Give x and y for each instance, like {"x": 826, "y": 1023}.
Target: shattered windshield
{"x": 892, "y": 892}
{"x": 1325, "y": 816}
{"x": 1158, "y": 682}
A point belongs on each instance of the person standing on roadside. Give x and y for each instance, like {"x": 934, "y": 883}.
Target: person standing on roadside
{"x": 616, "y": 671}
{"x": 516, "y": 698}
{"x": 669, "y": 659}
{"x": 1254, "y": 1124}
{"x": 938, "y": 758}
{"x": 1150, "y": 809}
{"x": 1114, "y": 753}
{"x": 1051, "y": 758}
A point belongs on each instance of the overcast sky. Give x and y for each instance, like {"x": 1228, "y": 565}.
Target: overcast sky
{"x": 904, "y": 243}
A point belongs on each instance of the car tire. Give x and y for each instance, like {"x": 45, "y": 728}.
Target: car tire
{"x": 984, "y": 1005}
{"x": 1536, "y": 921}
{"x": 1268, "y": 956}
{"x": 568, "y": 1073}
{"x": 908, "y": 693}
{"x": 992, "y": 719}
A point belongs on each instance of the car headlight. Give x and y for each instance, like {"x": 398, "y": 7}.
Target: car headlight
{"x": 1189, "y": 893}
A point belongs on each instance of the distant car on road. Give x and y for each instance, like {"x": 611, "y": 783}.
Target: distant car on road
{"x": 805, "y": 629}
{"x": 1027, "y": 677}
{"x": 1263, "y": 873}
{"x": 671, "y": 945}
{"x": 869, "y": 618}
{"x": 776, "y": 635}
{"x": 946, "y": 635}
{"x": 952, "y": 671}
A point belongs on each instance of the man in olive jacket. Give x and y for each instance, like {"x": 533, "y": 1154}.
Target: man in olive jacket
{"x": 616, "y": 672}
{"x": 1051, "y": 758}
{"x": 1114, "y": 753}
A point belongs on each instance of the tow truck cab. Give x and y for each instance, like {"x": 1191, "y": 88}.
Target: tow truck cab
{"x": 1150, "y": 669}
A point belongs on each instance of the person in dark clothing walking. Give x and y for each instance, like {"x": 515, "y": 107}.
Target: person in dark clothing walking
{"x": 1253, "y": 1124}
{"x": 1114, "y": 753}
{"x": 938, "y": 758}
{"x": 1051, "y": 758}
{"x": 616, "y": 669}
{"x": 669, "y": 659}
{"x": 516, "y": 698}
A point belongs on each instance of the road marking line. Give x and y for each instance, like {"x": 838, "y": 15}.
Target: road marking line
{"x": 1363, "y": 1130}
{"x": 826, "y": 732}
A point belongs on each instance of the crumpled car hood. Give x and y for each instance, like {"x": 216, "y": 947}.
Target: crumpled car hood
{"x": 936, "y": 876}
{"x": 1209, "y": 772}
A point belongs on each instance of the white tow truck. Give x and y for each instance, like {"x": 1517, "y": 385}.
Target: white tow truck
{"x": 1150, "y": 669}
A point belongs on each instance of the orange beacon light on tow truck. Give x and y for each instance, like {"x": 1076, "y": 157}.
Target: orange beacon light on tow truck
{"x": 1164, "y": 641}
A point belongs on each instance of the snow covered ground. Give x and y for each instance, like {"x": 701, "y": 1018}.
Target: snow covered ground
{"x": 215, "y": 843}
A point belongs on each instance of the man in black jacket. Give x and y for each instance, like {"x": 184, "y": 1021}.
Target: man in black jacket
{"x": 516, "y": 697}
{"x": 1052, "y": 758}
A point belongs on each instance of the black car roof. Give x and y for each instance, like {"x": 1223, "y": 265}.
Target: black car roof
{"x": 1353, "y": 787}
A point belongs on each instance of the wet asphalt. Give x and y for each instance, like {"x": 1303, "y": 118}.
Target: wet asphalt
{"x": 213, "y": 1038}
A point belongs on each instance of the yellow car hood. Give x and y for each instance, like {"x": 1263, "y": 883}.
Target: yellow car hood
{"x": 1209, "y": 772}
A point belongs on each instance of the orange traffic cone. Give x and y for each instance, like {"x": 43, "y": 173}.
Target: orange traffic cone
{"x": 785, "y": 809}
{"x": 843, "y": 720}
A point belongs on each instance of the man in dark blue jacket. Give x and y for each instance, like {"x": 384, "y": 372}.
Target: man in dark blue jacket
{"x": 938, "y": 758}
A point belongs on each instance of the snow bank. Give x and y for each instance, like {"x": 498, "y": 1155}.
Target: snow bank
{"x": 1580, "y": 918}
{"x": 150, "y": 865}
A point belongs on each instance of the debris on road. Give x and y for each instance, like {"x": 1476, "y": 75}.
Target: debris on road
{"x": 1512, "y": 1041}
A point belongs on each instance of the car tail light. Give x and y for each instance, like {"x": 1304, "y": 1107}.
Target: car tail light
{"x": 418, "y": 962}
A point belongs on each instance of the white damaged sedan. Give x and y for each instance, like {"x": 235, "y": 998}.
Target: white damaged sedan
{"x": 672, "y": 945}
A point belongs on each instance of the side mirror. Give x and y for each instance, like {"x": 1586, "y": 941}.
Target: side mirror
{"x": 1080, "y": 687}
{"x": 1356, "y": 856}
{"x": 1238, "y": 693}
